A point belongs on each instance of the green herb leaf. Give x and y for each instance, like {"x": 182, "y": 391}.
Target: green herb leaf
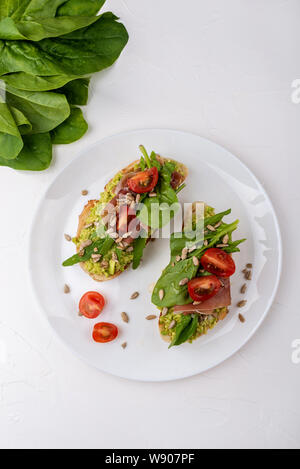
{"x": 138, "y": 249}
{"x": 187, "y": 332}
{"x": 36, "y": 154}
{"x": 72, "y": 129}
{"x": 180, "y": 327}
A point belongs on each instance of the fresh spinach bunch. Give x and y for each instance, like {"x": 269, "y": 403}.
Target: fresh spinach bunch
{"x": 47, "y": 48}
{"x": 174, "y": 294}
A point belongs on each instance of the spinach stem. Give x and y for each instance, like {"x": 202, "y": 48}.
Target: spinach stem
{"x": 146, "y": 156}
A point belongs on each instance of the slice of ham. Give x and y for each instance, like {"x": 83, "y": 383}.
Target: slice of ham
{"x": 221, "y": 299}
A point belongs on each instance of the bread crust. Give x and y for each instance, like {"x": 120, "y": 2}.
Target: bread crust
{"x": 91, "y": 203}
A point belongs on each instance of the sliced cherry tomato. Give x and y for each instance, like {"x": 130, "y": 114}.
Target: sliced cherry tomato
{"x": 104, "y": 332}
{"x": 144, "y": 181}
{"x": 203, "y": 288}
{"x": 218, "y": 262}
{"x": 91, "y": 304}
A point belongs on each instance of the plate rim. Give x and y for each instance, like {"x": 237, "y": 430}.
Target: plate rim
{"x": 41, "y": 307}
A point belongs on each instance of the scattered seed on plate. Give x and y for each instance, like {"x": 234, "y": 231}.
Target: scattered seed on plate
{"x": 150, "y": 317}
{"x": 183, "y": 281}
{"x": 124, "y": 345}
{"x": 241, "y": 303}
{"x": 243, "y": 288}
{"x": 210, "y": 228}
{"x": 84, "y": 192}
{"x": 172, "y": 324}
{"x": 195, "y": 260}
{"x": 164, "y": 311}
{"x": 134, "y": 295}
{"x": 68, "y": 237}
{"x": 249, "y": 266}
{"x": 161, "y": 294}
{"x": 125, "y": 317}
{"x": 67, "y": 289}
{"x": 241, "y": 318}
{"x": 248, "y": 275}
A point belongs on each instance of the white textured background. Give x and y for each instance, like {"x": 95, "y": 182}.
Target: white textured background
{"x": 222, "y": 70}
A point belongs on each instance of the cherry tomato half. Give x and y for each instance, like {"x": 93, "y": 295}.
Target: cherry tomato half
{"x": 203, "y": 288}
{"x": 91, "y": 304}
{"x": 218, "y": 262}
{"x": 104, "y": 332}
{"x": 144, "y": 181}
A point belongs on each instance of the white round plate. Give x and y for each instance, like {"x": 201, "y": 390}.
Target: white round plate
{"x": 216, "y": 177}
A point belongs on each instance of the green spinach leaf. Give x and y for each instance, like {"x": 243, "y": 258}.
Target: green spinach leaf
{"x": 138, "y": 249}
{"x": 72, "y": 129}
{"x": 180, "y": 327}
{"x": 80, "y": 8}
{"x": 36, "y": 154}
{"x": 187, "y": 332}
{"x": 76, "y": 91}
{"x": 44, "y": 110}
{"x": 10, "y": 139}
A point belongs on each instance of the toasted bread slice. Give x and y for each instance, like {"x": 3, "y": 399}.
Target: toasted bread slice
{"x": 220, "y": 317}
{"x": 87, "y": 208}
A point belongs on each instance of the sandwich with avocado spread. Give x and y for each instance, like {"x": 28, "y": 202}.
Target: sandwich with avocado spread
{"x": 114, "y": 230}
{"x": 193, "y": 292}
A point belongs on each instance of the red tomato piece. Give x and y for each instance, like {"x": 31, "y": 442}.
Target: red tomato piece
{"x": 218, "y": 262}
{"x": 105, "y": 332}
{"x": 144, "y": 181}
{"x": 91, "y": 304}
{"x": 203, "y": 288}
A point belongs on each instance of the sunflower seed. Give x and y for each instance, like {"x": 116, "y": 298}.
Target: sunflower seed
{"x": 244, "y": 271}
{"x": 161, "y": 294}
{"x": 178, "y": 258}
{"x": 225, "y": 239}
{"x": 195, "y": 261}
{"x": 104, "y": 264}
{"x": 86, "y": 227}
{"x": 192, "y": 248}
{"x": 164, "y": 311}
{"x": 222, "y": 245}
{"x": 114, "y": 257}
{"x": 85, "y": 244}
{"x": 96, "y": 257}
{"x": 241, "y": 303}
{"x": 126, "y": 235}
{"x": 81, "y": 253}
{"x": 125, "y": 317}
{"x": 248, "y": 275}
{"x": 243, "y": 288}
{"x": 134, "y": 295}
{"x": 130, "y": 249}
{"x": 241, "y": 318}
{"x": 183, "y": 281}
{"x": 124, "y": 345}
{"x": 218, "y": 224}
{"x": 67, "y": 289}
{"x": 196, "y": 302}
{"x": 184, "y": 253}
{"x": 172, "y": 324}
{"x": 210, "y": 228}
{"x": 152, "y": 194}
{"x": 150, "y": 317}
{"x": 84, "y": 192}
{"x": 67, "y": 237}
{"x": 95, "y": 249}
{"x": 205, "y": 242}
{"x": 249, "y": 266}
{"x": 118, "y": 240}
